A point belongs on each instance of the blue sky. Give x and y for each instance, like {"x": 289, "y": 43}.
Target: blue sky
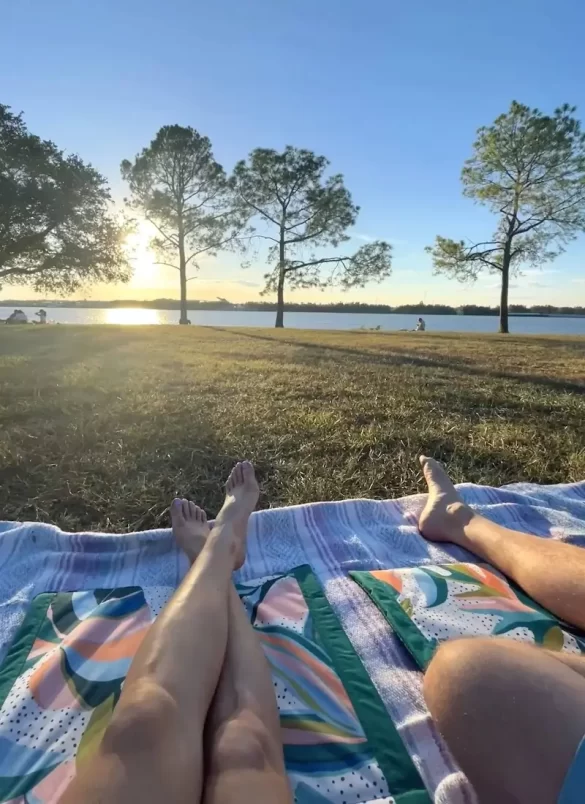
{"x": 392, "y": 93}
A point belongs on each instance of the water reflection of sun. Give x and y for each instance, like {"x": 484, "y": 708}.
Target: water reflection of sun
{"x": 132, "y": 315}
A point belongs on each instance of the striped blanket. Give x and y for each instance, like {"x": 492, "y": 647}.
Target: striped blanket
{"x": 334, "y": 539}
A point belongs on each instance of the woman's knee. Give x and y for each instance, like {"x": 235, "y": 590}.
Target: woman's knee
{"x": 239, "y": 744}
{"x": 147, "y": 718}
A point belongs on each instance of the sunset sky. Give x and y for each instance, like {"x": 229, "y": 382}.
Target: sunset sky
{"x": 392, "y": 93}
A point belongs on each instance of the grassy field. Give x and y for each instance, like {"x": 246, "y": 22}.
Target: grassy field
{"x": 101, "y": 426}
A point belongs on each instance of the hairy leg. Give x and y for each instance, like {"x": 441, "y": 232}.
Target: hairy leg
{"x": 243, "y": 743}
{"x": 551, "y": 572}
{"x": 152, "y": 750}
{"x": 513, "y": 716}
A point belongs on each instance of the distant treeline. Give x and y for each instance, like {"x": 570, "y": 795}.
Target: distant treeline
{"x": 308, "y": 307}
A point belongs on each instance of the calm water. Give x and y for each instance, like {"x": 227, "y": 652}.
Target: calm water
{"x": 236, "y": 318}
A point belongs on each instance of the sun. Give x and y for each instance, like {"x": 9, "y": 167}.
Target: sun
{"x": 141, "y": 256}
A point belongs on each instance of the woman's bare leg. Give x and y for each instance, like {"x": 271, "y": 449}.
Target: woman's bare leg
{"x": 152, "y": 750}
{"x": 243, "y": 743}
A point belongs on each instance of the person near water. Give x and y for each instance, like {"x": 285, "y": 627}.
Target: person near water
{"x": 17, "y": 317}
{"x": 513, "y": 715}
{"x": 197, "y": 719}
{"x": 420, "y": 325}
{"x": 42, "y": 314}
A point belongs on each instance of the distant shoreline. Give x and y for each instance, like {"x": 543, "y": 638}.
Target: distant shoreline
{"x": 536, "y": 311}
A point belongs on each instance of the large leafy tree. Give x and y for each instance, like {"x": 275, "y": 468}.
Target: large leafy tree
{"x": 302, "y": 212}
{"x": 179, "y": 187}
{"x": 529, "y": 170}
{"x": 57, "y": 229}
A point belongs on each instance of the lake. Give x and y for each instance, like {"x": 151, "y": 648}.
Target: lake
{"x": 525, "y": 325}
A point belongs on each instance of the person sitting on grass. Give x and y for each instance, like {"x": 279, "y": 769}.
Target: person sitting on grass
{"x": 17, "y": 317}
{"x": 513, "y": 715}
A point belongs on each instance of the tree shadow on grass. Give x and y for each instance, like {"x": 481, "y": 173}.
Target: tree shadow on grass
{"x": 81, "y": 481}
{"x": 390, "y": 358}
{"x": 49, "y": 350}
{"x": 78, "y": 456}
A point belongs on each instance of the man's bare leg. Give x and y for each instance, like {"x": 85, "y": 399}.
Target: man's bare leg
{"x": 152, "y": 750}
{"x": 512, "y": 714}
{"x": 551, "y": 572}
{"x": 243, "y": 742}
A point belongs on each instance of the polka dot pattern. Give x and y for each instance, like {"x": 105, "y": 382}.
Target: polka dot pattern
{"x": 157, "y": 598}
{"x": 282, "y": 606}
{"x": 364, "y": 785}
{"x": 279, "y": 605}
{"x": 22, "y": 721}
{"x": 466, "y": 600}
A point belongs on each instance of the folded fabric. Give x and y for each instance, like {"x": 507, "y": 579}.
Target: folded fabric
{"x": 429, "y": 605}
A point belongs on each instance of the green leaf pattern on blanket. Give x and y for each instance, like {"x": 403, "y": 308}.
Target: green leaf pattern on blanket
{"x": 407, "y": 606}
{"x": 62, "y": 701}
{"x": 326, "y": 752}
{"x": 453, "y": 600}
{"x": 92, "y": 736}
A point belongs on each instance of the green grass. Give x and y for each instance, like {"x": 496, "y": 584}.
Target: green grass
{"x": 101, "y": 426}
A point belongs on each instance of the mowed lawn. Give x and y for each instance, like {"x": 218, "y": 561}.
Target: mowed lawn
{"x": 101, "y": 426}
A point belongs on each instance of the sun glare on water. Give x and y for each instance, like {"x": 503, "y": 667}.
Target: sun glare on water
{"x": 132, "y": 315}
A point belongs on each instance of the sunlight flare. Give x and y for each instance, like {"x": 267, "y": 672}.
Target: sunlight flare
{"x": 141, "y": 255}
{"x": 132, "y": 315}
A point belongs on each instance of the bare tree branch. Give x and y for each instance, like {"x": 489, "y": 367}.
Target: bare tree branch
{"x": 295, "y": 266}
{"x": 259, "y": 210}
{"x": 24, "y": 272}
{"x": 305, "y": 237}
{"x": 166, "y": 236}
{"x": 167, "y": 265}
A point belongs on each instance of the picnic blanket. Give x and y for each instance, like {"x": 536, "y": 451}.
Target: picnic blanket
{"x": 332, "y": 539}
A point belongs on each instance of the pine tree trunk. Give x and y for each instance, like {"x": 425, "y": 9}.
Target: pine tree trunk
{"x": 182, "y": 276}
{"x": 280, "y": 288}
{"x": 504, "y": 291}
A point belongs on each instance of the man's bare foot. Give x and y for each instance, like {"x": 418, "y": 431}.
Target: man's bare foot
{"x": 240, "y": 500}
{"x": 445, "y": 515}
{"x": 190, "y": 527}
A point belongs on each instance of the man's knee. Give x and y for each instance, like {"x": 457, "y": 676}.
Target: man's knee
{"x": 239, "y": 744}
{"x": 460, "y": 676}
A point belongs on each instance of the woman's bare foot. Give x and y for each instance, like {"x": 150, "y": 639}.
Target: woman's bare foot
{"x": 190, "y": 527}
{"x": 240, "y": 500}
{"x": 445, "y": 515}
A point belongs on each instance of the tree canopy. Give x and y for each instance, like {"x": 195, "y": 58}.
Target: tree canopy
{"x": 529, "y": 170}
{"x": 57, "y": 229}
{"x": 179, "y": 187}
{"x": 303, "y": 212}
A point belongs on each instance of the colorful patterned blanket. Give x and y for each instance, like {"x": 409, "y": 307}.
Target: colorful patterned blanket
{"x": 81, "y": 583}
